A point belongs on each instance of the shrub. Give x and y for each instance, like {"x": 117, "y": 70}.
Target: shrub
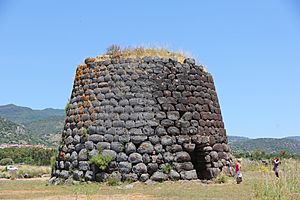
{"x": 112, "y": 181}
{"x": 67, "y": 107}
{"x": 101, "y": 161}
{"x": 221, "y": 178}
{"x": 52, "y": 163}
{"x": 84, "y": 133}
{"x": 6, "y": 161}
{"x": 285, "y": 187}
{"x": 113, "y": 50}
{"x": 167, "y": 168}
{"x": 28, "y": 155}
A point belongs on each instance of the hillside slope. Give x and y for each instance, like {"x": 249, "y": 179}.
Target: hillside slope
{"x": 14, "y": 133}
{"x": 24, "y": 115}
{"x": 40, "y": 126}
{"x": 269, "y": 145}
{"x": 47, "y": 130}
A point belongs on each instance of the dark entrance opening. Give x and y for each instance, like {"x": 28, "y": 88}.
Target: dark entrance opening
{"x": 199, "y": 162}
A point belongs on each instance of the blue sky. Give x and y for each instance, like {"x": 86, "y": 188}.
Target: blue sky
{"x": 252, "y": 48}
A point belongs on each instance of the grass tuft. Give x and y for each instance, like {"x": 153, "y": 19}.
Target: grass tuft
{"x": 114, "y": 51}
{"x": 221, "y": 178}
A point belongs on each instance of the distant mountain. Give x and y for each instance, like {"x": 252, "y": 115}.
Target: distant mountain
{"x": 11, "y": 132}
{"x": 40, "y": 126}
{"x": 293, "y": 138}
{"x": 24, "y": 115}
{"x": 48, "y": 130}
{"x": 269, "y": 145}
{"x": 237, "y": 138}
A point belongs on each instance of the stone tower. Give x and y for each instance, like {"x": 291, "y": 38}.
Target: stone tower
{"x": 156, "y": 118}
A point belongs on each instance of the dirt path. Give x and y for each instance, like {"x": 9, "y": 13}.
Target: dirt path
{"x": 136, "y": 196}
{"x": 27, "y": 179}
{"x": 21, "y": 193}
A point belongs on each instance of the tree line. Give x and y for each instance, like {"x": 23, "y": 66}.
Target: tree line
{"x": 28, "y": 155}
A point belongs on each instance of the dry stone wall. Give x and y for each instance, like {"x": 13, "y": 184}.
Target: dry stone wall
{"x": 157, "y": 118}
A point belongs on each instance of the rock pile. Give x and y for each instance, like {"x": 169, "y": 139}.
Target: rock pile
{"x": 156, "y": 118}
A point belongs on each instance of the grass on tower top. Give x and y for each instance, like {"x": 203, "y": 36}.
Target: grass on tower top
{"x": 114, "y": 51}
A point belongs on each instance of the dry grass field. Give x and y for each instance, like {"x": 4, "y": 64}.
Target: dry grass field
{"x": 259, "y": 183}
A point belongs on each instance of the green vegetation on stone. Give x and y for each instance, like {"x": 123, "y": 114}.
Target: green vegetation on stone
{"x": 115, "y": 51}
{"x": 101, "y": 161}
{"x": 167, "y": 168}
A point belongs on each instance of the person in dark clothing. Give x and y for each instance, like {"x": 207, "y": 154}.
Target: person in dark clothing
{"x": 276, "y": 167}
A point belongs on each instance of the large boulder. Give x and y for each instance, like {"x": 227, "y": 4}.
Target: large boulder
{"x": 159, "y": 176}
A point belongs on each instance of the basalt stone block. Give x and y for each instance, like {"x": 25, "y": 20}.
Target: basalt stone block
{"x": 83, "y": 154}
{"x": 173, "y": 130}
{"x": 69, "y": 140}
{"x": 95, "y": 138}
{"x": 101, "y": 177}
{"x": 103, "y": 145}
{"x": 218, "y": 164}
{"x": 225, "y": 147}
{"x": 77, "y": 175}
{"x": 182, "y": 157}
{"x": 159, "y": 176}
{"x": 160, "y": 115}
{"x": 218, "y": 147}
{"x": 122, "y": 157}
{"x": 130, "y": 177}
{"x": 173, "y": 115}
{"x": 159, "y": 148}
{"x": 152, "y": 167}
{"x": 117, "y": 147}
{"x": 74, "y": 156}
{"x": 160, "y": 131}
{"x": 138, "y": 139}
{"x": 189, "y": 147}
{"x": 139, "y": 169}
{"x": 83, "y": 165}
{"x": 174, "y": 148}
{"x": 145, "y": 147}
{"x": 174, "y": 175}
{"x": 125, "y": 167}
{"x": 223, "y": 155}
{"x": 168, "y": 157}
{"x": 189, "y": 175}
{"x": 109, "y": 153}
{"x": 144, "y": 177}
{"x": 167, "y": 122}
{"x": 185, "y": 166}
{"x": 93, "y": 153}
{"x": 89, "y": 145}
{"x": 183, "y": 139}
{"x": 166, "y": 140}
{"x": 108, "y": 138}
{"x": 124, "y": 138}
{"x": 88, "y": 176}
{"x": 135, "y": 158}
{"x": 214, "y": 172}
{"x": 130, "y": 148}
{"x": 146, "y": 158}
{"x": 154, "y": 139}
{"x": 214, "y": 155}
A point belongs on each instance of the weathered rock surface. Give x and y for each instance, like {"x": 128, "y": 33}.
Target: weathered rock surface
{"x": 144, "y": 114}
